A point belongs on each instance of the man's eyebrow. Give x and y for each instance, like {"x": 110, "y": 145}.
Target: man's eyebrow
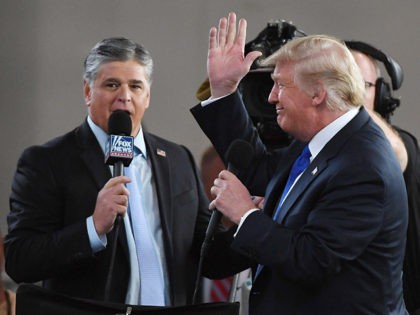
{"x": 111, "y": 79}
{"x": 136, "y": 81}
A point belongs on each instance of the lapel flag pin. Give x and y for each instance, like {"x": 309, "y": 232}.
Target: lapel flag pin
{"x": 161, "y": 152}
{"x": 314, "y": 171}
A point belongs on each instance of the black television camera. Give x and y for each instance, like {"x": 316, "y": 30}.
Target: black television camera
{"x": 256, "y": 85}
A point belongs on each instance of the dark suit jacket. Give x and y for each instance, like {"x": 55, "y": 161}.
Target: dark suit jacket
{"x": 411, "y": 279}
{"x": 338, "y": 245}
{"x": 55, "y": 189}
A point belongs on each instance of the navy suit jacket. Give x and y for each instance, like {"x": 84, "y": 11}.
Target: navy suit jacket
{"x": 338, "y": 245}
{"x": 55, "y": 189}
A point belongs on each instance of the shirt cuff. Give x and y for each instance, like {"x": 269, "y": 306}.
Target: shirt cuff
{"x": 97, "y": 242}
{"x": 211, "y": 100}
{"x": 243, "y": 219}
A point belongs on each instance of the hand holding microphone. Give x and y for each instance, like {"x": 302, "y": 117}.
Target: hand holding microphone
{"x": 112, "y": 200}
{"x": 232, "y": 198}
{"x": 239, "y": 156}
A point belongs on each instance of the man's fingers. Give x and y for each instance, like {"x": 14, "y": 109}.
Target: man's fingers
{"x": 214, "y": 190}
{"x": 213, "y": 38}
{"x": 117, "y": 181}
{"x": 212, "y": 205}
{"x": 222, "y": 32}
{"x": 250, "y": 57}
{"x": 122, "y": 200}
{"x": 231, "y": 28}
{"x": 241, "y": 38}
{"x": 225, "y": 174}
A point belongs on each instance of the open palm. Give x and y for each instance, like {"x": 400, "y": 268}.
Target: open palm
{"x": 226, "y": 63}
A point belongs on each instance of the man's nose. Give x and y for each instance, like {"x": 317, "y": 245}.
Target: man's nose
{"x": 273, "y": 97}
{"x": 124, "y": 95}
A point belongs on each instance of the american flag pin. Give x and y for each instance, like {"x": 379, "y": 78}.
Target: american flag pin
{"x": 161, "y": 152}
{"x": 314, "y": 171}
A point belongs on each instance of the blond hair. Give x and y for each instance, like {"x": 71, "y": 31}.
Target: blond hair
{"x": 323, "y": 59}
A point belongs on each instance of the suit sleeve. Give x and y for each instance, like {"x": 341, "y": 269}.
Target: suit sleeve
{"x": 216, "y": 120}
{"x": 38, "y": 244}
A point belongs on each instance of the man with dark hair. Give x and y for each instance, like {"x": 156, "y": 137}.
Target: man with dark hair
{"x": 64, "y": 203}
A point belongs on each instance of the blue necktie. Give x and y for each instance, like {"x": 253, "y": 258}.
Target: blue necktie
{"x": 151, "y": 275}
{"x": 298, "y": 167}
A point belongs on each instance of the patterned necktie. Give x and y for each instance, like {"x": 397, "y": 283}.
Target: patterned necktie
{"x": 151, "y": 275}
{"x": 298, "y": 167}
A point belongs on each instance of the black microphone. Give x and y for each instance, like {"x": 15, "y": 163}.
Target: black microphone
{"x": 119, "y": 149}
{"x": 239, "y": 155}
{"x": 119, "y": 152}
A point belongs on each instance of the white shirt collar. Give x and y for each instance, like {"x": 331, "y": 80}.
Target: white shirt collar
{"x": 102, "y": 137}
{"x": 328, "y": 132}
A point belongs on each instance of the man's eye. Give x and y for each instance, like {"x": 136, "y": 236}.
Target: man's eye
{"x": 111, "y": 85}
{"x": 136, "y": 86}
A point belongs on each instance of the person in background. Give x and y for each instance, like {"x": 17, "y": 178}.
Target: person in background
{"x": 64, "y": 202}
{"x": 371, "y": 72}
{"x": 7, "y": 297}
{"x": 406, "y": 148}
{"x": 330, "y": 238}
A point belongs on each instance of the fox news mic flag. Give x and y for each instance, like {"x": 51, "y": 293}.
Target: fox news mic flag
{"x": 120, "y": 145}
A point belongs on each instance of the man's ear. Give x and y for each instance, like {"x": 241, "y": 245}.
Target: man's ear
{"x": 86, "y": 92}
{"x": 319, "y": 94}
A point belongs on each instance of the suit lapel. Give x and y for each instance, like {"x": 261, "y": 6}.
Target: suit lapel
{"x": 92, "y": 155}
{"x": 320, "y": 163}
{"x": 277, "y": 183}
{"x": 161, "y": 173}
{"x": 311, "y": 172}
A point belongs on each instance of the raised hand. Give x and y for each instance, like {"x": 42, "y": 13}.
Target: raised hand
{"x": 226, "y": 63}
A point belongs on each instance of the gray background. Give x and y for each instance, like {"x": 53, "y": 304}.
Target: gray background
{"x": 44, "y": 42}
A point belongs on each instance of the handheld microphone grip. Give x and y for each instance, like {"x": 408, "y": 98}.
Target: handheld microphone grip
{"x": 119, "y": 152}
{"x": 216, "y": 217}
{"x": 239, "y": 155}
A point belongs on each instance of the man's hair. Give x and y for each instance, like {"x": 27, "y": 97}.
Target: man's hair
{"x": 116, "y": 49}
{"x": 323, "y": 59}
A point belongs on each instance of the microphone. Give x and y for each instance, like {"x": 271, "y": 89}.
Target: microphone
{"x": 239, "y": 155}
{"x": 119, "y": 150}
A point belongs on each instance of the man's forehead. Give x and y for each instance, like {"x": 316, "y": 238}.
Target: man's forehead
{"x": 127, "y": 70}
{"x": 122, "y": 66}
{"x": 282, "y": 71}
